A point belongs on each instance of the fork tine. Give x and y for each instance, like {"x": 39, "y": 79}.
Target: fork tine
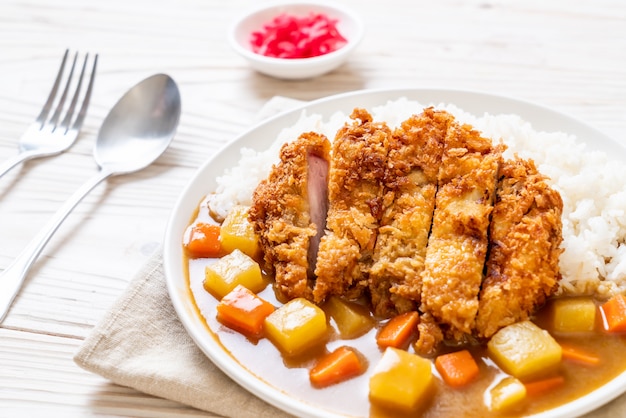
{"x": 83, "y": 109}
{"x": 48, "y": 105}
{"x": 54, "y": 120}
{"x": 70, "y": 110}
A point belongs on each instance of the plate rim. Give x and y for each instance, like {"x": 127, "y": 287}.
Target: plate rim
{"x": 174, "y": 269}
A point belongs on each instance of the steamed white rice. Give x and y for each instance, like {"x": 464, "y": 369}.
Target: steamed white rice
{"x": 590, "y": 183}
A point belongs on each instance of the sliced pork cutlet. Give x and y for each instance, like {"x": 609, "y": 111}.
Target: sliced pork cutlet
{"x": 410, "y": 185}
{"x": 430, "y": 335}
{"x": 525, "y": 239}
{"x": 355, "y": 190}
{"x": 289, "y": 212}
{"x": 457, "y": 246}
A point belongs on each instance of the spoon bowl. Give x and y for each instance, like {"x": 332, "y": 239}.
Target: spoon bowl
{"x": 134, "y": 134}
{"x": 140, "y": 126}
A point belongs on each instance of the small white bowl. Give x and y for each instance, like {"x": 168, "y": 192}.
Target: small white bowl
{"x": 348, "y": 24}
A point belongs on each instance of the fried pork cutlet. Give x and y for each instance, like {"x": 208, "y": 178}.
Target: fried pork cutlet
{"x": 411, "y": 171}
{"x": 457, "y": 246}
{"x": 523, "y": 264}
{"x": 289, "y": 211}
{"x": 430, "y": 335}
{"x": 355, "y": 192}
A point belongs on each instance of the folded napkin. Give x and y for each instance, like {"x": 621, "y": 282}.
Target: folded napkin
{"x": 140, "y": 343}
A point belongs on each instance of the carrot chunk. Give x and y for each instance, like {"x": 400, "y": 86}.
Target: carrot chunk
{"x": 614, "y": 314}
{"x": 578, "y": 355}
{"x": 544, "y": 386}
{"x": 244, "y": 311}
{"x": 398, "y": 330}
{"x": 458, "y": 368}
{"x": 337, "y": 366}
{"x": 203, "y": 240}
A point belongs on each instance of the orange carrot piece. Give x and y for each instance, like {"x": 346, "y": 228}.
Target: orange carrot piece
{"x": 544, "y": 386}
{"x": 244, "y": 311}
{"x": 614, "y": 314}
{"x": 458, "y": 368}
{"x": 203, "y": 240}
{"x": 578, "y": 355}
{"x": 398, "y": 330}
{"x": 337, "y": 366}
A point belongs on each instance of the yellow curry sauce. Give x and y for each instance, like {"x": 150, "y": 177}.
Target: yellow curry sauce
{"x": 290, "y": 375}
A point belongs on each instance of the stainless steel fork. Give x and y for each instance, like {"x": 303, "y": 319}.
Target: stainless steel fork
{"x": 49, "y": 134}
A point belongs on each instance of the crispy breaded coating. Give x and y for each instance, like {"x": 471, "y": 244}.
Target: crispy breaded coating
{"x": 457, "y": 246}
{"x": 428, "y": 217}
{"x": 429, "y": 336}
{"x": 281, "y": 214}
{"x": 523, "y": 264}
{"x": 355, "y": 192}
{"x": 411, "y": 172}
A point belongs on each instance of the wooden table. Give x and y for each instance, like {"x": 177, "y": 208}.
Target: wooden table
{"x": 568, "y": 55}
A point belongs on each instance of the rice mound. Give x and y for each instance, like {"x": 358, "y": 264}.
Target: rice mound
{"x": 593, "y": 261}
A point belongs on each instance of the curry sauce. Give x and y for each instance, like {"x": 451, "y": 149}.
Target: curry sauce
{"x": 262, "y": 359}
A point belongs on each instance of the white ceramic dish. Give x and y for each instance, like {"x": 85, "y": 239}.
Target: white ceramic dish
{"x": 349, "y": 25}
{"x": 260, "y": 136}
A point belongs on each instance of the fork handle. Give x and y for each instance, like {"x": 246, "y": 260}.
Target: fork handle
{"x": 13, "y": 276}
{"x": 7, "y": 165}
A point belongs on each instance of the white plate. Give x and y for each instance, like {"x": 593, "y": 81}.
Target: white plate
{"x": 260, "y": 137}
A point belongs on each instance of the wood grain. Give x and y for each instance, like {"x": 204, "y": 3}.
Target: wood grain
{"x": 568, "y": 55}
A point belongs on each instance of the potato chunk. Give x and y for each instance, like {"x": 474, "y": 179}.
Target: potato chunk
{"x": 296, "y": 326}
{"x": 574, "y": 315}
{"x": 524, "y": 350}
{"x": 351, "y": 321}
{"x": 238, "y": 233}
{"x": 400, "y": 380}
{"x": 506, "y": 394}
{"x": 231, "y": 270}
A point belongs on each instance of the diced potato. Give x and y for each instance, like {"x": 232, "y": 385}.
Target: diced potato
{"x": 506, "y": 394}
{"x": 524, "y": 350}
{"x": 574, "y": 315}
{"x": 296, "y": 326}
{"x": 400, "y": 380}
{"x": 351, "y": 321}
{"x": 238, "y": 233}
{"x": 231, "y": 270}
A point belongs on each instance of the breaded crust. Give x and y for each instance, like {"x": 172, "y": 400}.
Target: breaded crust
{"x": 280, "y": 214}
{"x": 412, "y": 225}
{"x": 457, "y": 245}
{"x": 411, "y": 174}
{"x": 355, "y": 192}
{"x": 523, "y": 264}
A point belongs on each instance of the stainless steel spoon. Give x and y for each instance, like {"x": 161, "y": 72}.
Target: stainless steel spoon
{"x": 136, "y": 132}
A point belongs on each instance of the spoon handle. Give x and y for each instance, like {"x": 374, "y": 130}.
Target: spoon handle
{"x": 13, "y": 276}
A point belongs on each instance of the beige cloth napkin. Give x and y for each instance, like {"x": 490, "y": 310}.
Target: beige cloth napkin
{"x": 140, "y": 343}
